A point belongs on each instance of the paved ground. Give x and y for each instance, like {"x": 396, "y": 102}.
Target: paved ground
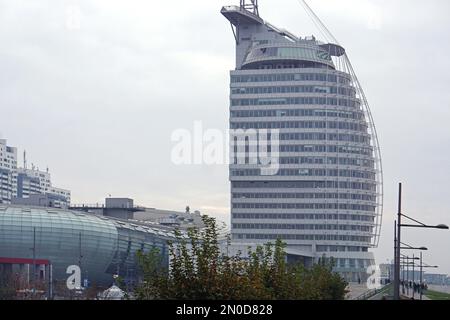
{"x": 410, "y": 295}
{"x": 358, "y": 289}
{"x": 404, "y": 295}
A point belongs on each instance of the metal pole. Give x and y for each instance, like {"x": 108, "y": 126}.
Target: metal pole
{"x": 413, "y": 277}
{"x": 79, "y": 262}
{"x": 421, "y": 275}
{"x": 51, "y": 281}
{"x": 34, "y": 258}
{"x": 389, "y": 270}
{"x": 407, "y": 275}
{"x": 397, "y": 256}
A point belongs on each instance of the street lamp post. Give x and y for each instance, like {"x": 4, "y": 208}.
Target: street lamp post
{"x": 421, "y": 280}
{"x": 413, "y": 278}
{"x": 397, "y": 247}
{"x": 407, "y": 275}
{"x": 389, "y": 269}
{"x": 397, "y": 240}
{"x": 395, "y": 253}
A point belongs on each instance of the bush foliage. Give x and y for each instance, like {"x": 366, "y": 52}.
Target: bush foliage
{"x": 198, "y": 270}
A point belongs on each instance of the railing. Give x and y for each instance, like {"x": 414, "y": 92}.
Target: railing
{"x": 366, "y": 295}
{"x": 97, "y": 205}
{"x": 102, "y": 206}
{"x": 372, "y": 292}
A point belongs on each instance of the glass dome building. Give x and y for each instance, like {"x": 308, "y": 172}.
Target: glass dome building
{"x": 100, "y": 246}
{"x": 325, "y": 198}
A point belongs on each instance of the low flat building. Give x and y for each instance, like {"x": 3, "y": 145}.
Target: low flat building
{"x": 124, "y": 208}
{"x": 120, "y": 208}
{"x": 174, "y": 218}
{"x": 41, "y": 200}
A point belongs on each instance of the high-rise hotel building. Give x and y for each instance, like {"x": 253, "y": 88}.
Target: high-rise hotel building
{"x": 325, "y": 200}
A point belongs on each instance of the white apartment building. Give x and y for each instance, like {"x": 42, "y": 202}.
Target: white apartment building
{"x": 8, "y": 166}
{"x": 34, "y": 181}
{"x": 21, "y": 183}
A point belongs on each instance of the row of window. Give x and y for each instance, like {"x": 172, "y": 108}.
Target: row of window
{"x": 355, "y": 115}
{"x": 352, "y": 103}
{"x": 324, "y": 137}
{"x": 353, "y": 263}
{"x": 306, "y": 184}
{"x": 323, "y": 237}
{"x": 313, "y": 206}
{"x": 307, "y": 195}
{"x": 368, "y": 151}
{"x": 303, "y": 216}
{"x": 286, "y": 226}
{"x": 331, "y": 248}
{"x": 345, "y": 91}
{"x": 356, "y": 138}
{"x": 241, "y": 155}
{"x": 360, "y": 127}
{"x": 328, "y": 160}
{"x": 290, "y": 77}
{"x": 307, "y": 173}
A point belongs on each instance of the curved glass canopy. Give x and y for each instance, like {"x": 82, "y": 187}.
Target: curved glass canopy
{"x": 298, "y": 53}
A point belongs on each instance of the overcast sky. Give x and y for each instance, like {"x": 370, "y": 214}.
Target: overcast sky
{"x": 93, "y": 90}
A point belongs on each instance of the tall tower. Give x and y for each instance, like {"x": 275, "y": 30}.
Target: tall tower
{"x": 325, "y": 200}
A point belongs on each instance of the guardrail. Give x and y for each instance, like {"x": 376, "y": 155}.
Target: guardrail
{"x": 372, "y": 292}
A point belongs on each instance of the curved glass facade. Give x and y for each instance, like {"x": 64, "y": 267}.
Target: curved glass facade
{"x": 100, "y": 246}
{"x": 299, "y": 52}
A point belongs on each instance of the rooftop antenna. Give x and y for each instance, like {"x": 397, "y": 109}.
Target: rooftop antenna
{"x": 252, "y": 6}
{"x": 25, "y": 159}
